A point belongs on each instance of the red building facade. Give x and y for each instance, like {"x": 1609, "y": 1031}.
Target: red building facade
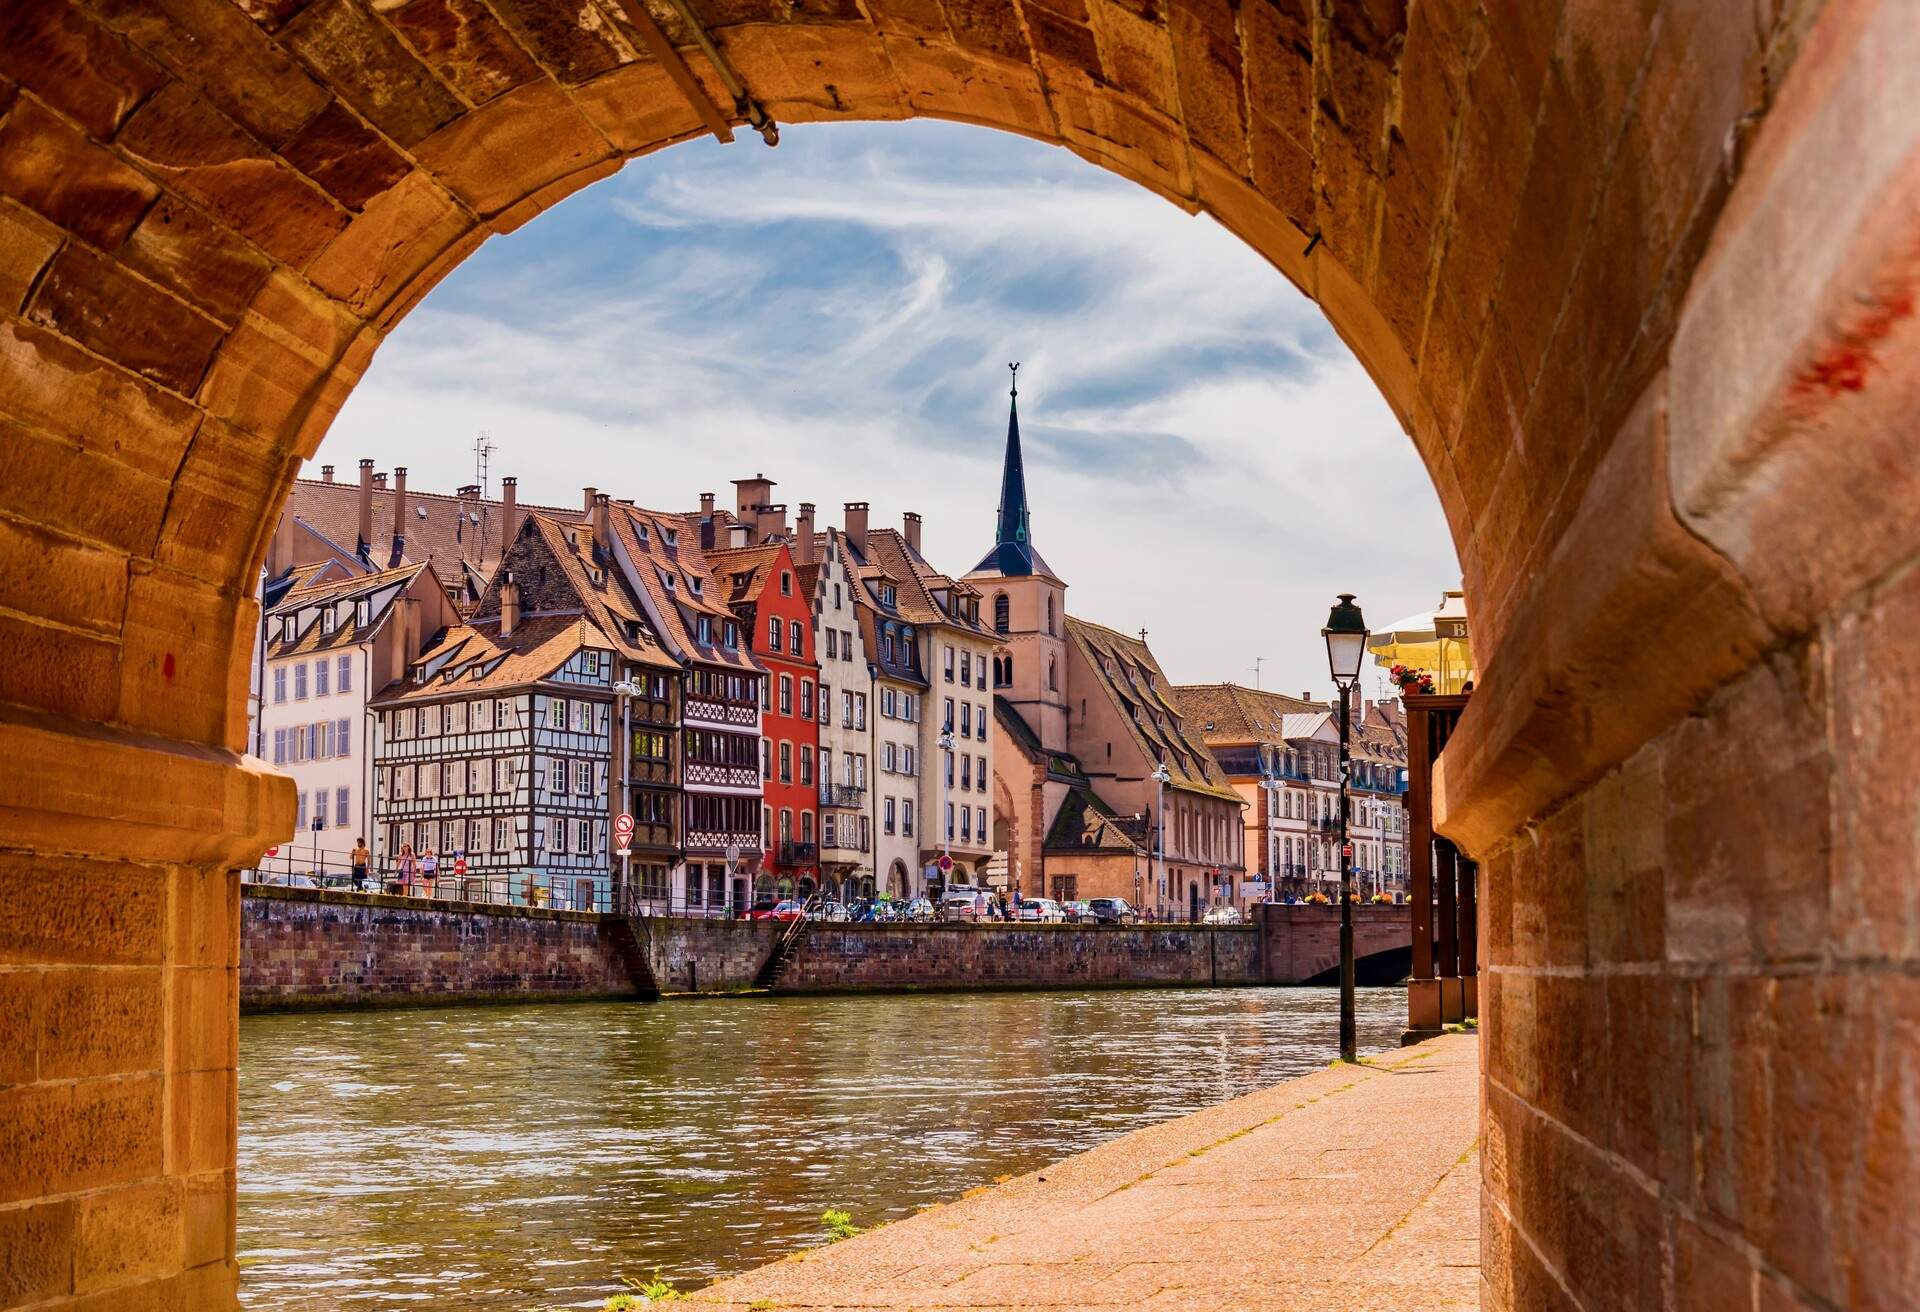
{"x": 764, "y": 587}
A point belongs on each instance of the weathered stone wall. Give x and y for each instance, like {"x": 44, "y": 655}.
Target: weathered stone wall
{"x": 707, "y": 955}
{"x": 1021, "y": 956}
{"x": 1299, "y": 943}
{"x": 307, "y": 948}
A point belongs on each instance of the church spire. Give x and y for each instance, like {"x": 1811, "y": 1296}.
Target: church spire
{"x": 1013, "y": 476}
{"x": 1013, "y": 555}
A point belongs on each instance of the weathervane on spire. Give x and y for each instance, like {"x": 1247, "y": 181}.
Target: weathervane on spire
{"x": 1014, "y": 368}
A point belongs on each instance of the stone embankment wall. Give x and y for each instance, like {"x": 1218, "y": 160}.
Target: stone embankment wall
{"x": 304, "y": 948}
{"x": 311, "y": 948}
{"x": 855, "y": 957}
{"x": 700, "y": 955}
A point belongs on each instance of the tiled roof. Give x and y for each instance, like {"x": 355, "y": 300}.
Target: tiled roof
{"x": 1084, "y": 823}
{"x": 742, "y": 572}
{"x": 470, "y": 658}
{"x": 333, "y": 591}
{"x": 917, "y": 581}
{"x": 1060, "y": 765}
{"x": 693, "y": 590}
{"x": 445, "y": 534}
{"x": 1133, "y": 680}
{"x": 605, "y": 602}
{"x": 1229, "y": 714}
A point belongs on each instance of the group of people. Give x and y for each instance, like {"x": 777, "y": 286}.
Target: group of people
{"x": 415, "y": 871}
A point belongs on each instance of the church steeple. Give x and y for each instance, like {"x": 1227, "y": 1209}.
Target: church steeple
{"x": 1013, "y": 476}
{"x": 1013, "y": 552}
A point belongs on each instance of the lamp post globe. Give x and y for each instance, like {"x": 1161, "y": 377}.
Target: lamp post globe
{"x": 1346, "y": 638}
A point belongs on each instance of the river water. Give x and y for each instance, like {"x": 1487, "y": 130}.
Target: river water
{"x": 520, "y": 1158}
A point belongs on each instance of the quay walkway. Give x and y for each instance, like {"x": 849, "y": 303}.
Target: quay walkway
{"x": 1352, "y": 1189}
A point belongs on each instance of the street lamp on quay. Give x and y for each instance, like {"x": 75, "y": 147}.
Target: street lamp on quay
{"x": 1160, "y": 781}
{"x": 1346, "y": 636}
{"x": 945, "y": 743}
{"x": 627, "y": 689}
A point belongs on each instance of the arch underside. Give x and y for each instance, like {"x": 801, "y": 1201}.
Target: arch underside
{"x": 1637, "y": 278}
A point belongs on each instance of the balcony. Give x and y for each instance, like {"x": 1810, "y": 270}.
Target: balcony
{"x": 798, "y": 854}
{"x": 851, "y": 795}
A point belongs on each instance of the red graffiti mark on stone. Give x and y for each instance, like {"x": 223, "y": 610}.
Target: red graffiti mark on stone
{"x": 1845, "y": 364}
{"x": 166, "y": 667}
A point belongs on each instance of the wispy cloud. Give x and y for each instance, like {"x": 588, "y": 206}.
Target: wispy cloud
{"x": 1207, "y": 461}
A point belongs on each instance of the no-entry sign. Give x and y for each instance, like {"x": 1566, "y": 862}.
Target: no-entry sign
{"x": 460, "y": 866}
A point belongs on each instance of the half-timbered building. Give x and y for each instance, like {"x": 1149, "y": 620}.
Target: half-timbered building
{"x": 499, "y": 747}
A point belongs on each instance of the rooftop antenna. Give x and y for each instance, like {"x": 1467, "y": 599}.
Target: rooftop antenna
{"x": 1258, "y": 661}
{"x": 482, "y": 449}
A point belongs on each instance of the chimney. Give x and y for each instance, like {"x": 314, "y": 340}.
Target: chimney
{"x": 742, "y": 535}
{"x": 856, "y": 522}
{"x": 910, "y": 530}
{"x": 366, "y": 504}
{"x": 749, "y": 494}
{"x": 591, "y": 493}
{"x": 706, "y": 503}
{"x": 803, "y": 553}
{"x": 772, "y": 521}
{"x": 602, "y": 527}
{"x": 399, "y": 512}
{"x": 380, "y": 482}
{"x": 509, "y": 511}
{"x": 509, "y": 606}
{"x": 326, "y": 473}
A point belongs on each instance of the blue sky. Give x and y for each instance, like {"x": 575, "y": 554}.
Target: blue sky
{"x": 1204, "y": 458}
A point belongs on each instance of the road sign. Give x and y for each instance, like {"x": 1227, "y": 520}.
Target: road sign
{"x": 460, "y": 865}
{"x": 945, "y": 863}
{"x": 624, "y": 852}
{"x": 623, "y": 826}
{"x": 273, "y": 851}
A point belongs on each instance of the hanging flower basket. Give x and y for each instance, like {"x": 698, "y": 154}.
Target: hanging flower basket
{"x": 1408, "y": 679}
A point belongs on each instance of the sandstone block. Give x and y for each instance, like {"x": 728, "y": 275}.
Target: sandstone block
{"x": 99, "y": 303}
{"x": 466, "y": 45}
{"x": 53, "y": 169}
{"x": 513, "y": 145}
{"x": 212, "y": 45}
{"x": 99, "y": 1021}
{"x": 370, "y": 68}
{"x": 74, "y": 64}
{"x": 351, "y": 161}
{"x": 127, "y": 1234}
{"x": 36, "y": 1252}
{"x": 180, "y": 247}
{"x": 204, "y": 1115}
{"x": 573, "y": 44}
{"x": 204, "y": 1006}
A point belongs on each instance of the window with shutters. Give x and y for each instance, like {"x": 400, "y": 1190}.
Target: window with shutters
{"x": 300, "y": 682}
{"x": 583, "y": 777}
{"x": 279, "y": 684}
{"x": 322, "y": 670}
{"x": 342, "y": 807}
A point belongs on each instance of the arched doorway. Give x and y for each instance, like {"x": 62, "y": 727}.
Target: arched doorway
{"x": 1634, "y": 280}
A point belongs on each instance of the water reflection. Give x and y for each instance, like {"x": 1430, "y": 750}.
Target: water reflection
{"x": 501, "y": 1158}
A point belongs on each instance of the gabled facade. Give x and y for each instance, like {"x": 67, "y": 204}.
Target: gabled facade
{"x": 660, "y": 557}
{"x": 762, "y": 586}
{"x": 507, "y": 742}
{"x": 851, "y": 783}
{"x": 332, "y": 637}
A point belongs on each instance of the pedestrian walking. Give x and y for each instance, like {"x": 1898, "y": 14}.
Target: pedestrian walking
{"x": 360, "y": 858}
{"x": 409, "y": 866}
{"x": 429, "y": 867}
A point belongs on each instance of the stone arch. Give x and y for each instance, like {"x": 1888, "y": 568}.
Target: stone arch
{"x": 1557, "y": 237}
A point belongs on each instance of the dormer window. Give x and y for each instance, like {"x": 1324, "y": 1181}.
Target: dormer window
{"x": 730, "y": 634}
{"x": 887, "y": 594}
{"x": 706, "y": 631}
{"x": 672, "y": 536}
{"x": 695, "y": 585}
{"x": 326, "y": 620}
{"x": 640, "y": 530}
{"x": 362, "y": 612}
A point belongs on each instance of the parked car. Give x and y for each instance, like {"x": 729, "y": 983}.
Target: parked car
{"x": 1076, "y": 912}
{"x": 1221, "y": 916}
{"x": 785, "y": 909}
{"x": 1111, "y": 911}
{"x": 958, "y": 904}
{"x": 918, "y": 909}
{"x": 1043, "y": 909}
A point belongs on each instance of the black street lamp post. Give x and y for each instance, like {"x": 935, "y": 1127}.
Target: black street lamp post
{"x": 1346, "y": 635}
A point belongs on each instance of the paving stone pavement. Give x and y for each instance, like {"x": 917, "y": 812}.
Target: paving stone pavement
{"x": 1351, "y": 1189}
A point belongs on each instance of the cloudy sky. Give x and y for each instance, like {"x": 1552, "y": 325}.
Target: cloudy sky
{"x": 1204, "y": 458}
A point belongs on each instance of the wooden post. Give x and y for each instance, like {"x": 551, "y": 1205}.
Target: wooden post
{"x": 1430, "y": 721}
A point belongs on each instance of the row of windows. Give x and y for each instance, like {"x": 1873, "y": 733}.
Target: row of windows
{"x": 973, "y": 720}
{"x": 470, "y": 837}
{"x": 848, "y": 831}
{"x": 740, "y": 688}
{"x": 796, "y": 635}
{"x": 906, "y": 817}
{"x": 710, "y": 747}
{"x": 709, "y": 814}
{"x": 898, "y": 705}
{"x": 342, "y": 799}
{"x": 329, "y": 675}
{"x": 901, "y": 761}
{"x": 1003, "y": 617}
{"x": 287, "y": 627}
{"x": 965, "y": 662}
{"x": 457, "y": 717}
{"x": 972, "y": 820}
{"x": 840, "y": 643}
{"x": 967, "y": 774}
{"x": 320, "y": 741}
{"x": 474, "y": 777}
